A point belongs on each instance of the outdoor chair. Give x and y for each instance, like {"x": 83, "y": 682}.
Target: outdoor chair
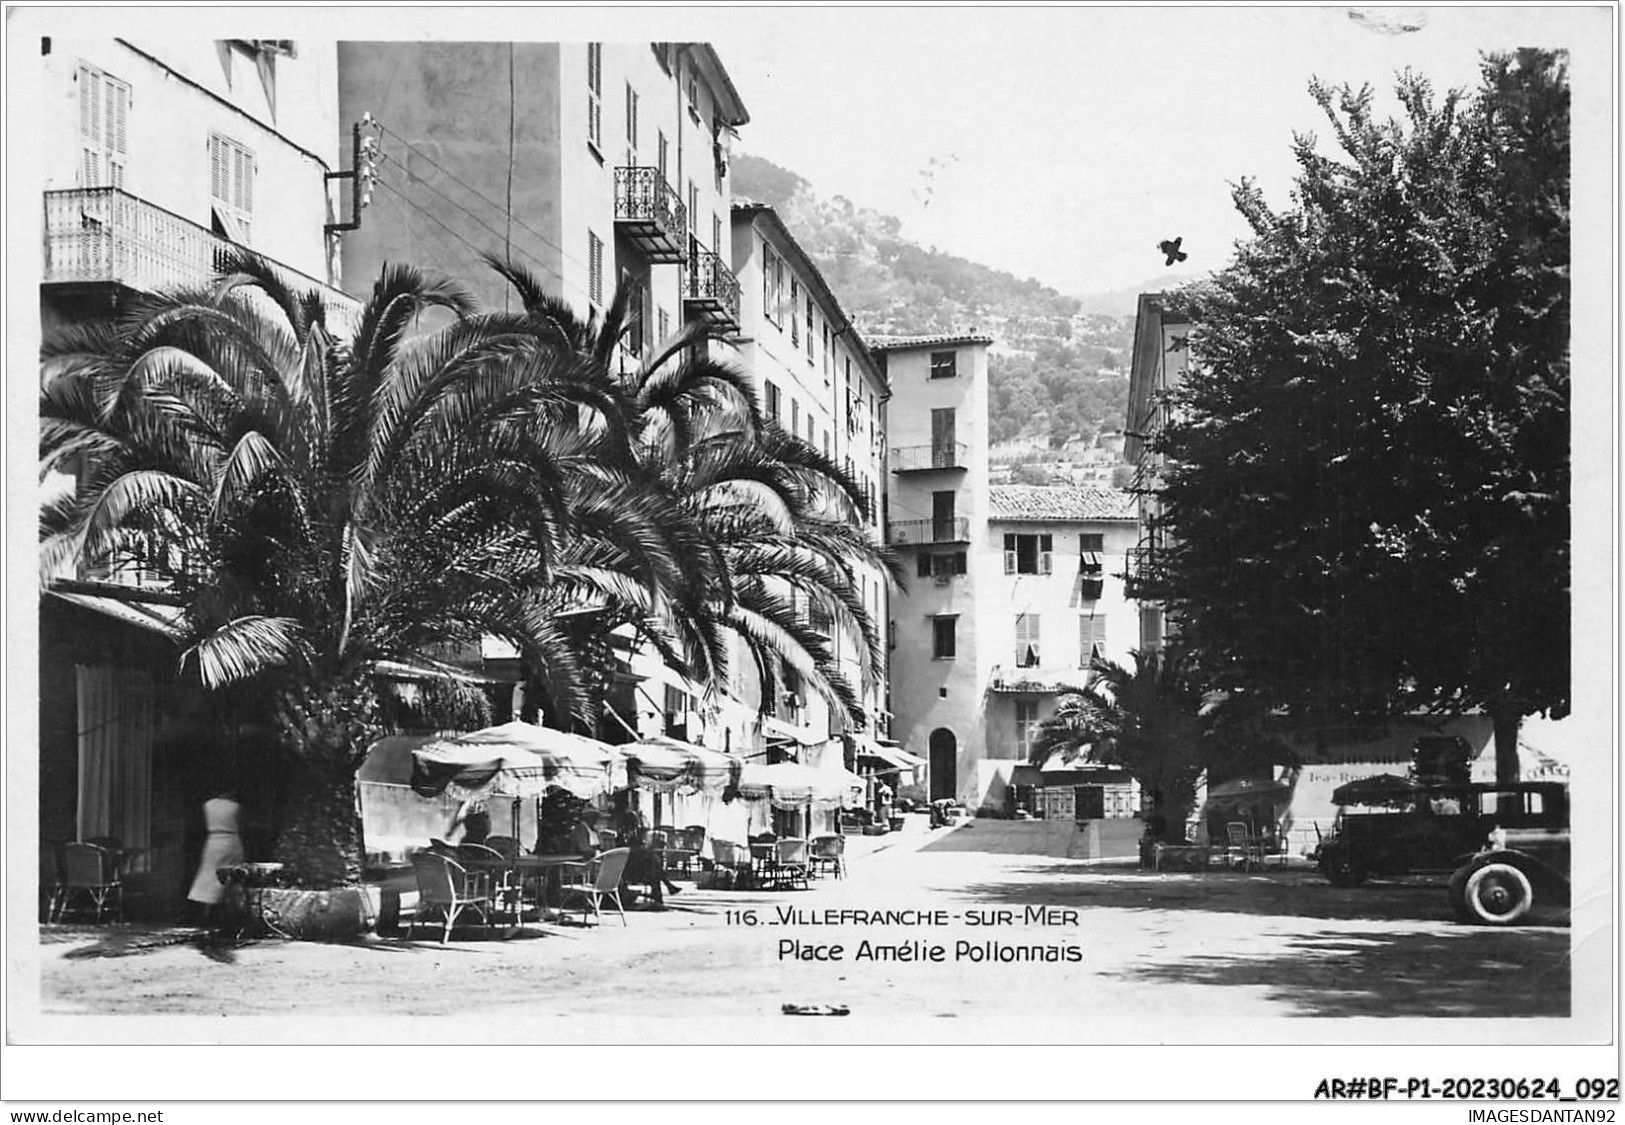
{"x": 828, "y": 853}
{"x": 662, "y": 838}
{"x": 1239, "y": 844}
{"x": 443, "y": 887}
{"x": 692, "y": 839}
{"x": 507, "y": 846}
{"x": 607, "y": 839}
{"x": 790, "y": 864}
{"x": 601, "y": 881}
{"x": 491, "y": 873}
{"x": 89, "y": 874}
{"x": 734, "y": 859}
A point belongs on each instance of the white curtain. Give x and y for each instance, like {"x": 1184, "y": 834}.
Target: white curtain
{"x": 117, "y": 721}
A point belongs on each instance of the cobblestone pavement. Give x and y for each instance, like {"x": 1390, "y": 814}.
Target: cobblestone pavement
{"x": 1025, "y": 940}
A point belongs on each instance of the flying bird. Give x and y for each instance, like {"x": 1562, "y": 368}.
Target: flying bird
{"x": 1171, "y": 248}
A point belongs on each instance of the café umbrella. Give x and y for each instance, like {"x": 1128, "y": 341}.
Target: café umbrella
{"x": 516, "y": 759}
{"x": 668, "y": 765}
{"x": 793, "y": 785}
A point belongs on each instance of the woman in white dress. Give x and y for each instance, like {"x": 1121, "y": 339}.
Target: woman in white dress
{"x": 222, "y": 847}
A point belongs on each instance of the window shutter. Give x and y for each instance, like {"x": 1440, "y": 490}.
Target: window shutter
{"x": 242, "y": 175}
{"x": 1027, "y": 640}
{"x": 1091, "y": 637}
{"x": 922, "y": 566}
{"x": 219, "y": 191}
{"x": 87, "y": 111}
{"x": 595, "y": 269}
{"x": 959, "y": 562}
{"x": 104, "y": 107}
{"x": 1046, "y": 561}
{"x": 90, "y": 106}
{"x": 118, "y": 147}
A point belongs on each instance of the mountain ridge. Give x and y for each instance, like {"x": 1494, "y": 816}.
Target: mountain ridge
{"x": 1059, "y": 367}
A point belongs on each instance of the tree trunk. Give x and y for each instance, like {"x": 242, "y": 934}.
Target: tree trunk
{"x": 1508, "y": 721}
{"x": 320, "y": 840}
{"x": 325, "y": 730}
{"x": 1176, "y": 812}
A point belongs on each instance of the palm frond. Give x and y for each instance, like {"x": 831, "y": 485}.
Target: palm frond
{"x": 246, "y": 647}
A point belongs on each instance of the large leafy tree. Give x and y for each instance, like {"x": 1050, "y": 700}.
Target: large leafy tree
{"x": 1367, "y": 493}
{"x": 328, "y": 505}
{"x": 1146, "y": 719}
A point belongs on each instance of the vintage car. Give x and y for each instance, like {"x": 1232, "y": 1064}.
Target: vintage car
{"x": 1520, "y": 869}
{"x": 1431, "y": 828}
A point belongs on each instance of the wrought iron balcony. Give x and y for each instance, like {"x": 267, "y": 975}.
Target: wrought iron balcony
{"x": 711, "y": 291}
{"x": 925, "y": 458}
{"x": 106, "y": 236}
{"x": 1140, "y": 578}
{"x": 924, "y": 533}
{"x": 1036, "y": 680}
{"x": 650, "y": 214}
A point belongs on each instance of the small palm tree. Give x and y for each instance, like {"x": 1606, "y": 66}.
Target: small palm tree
{"x": 1146, "y": 720}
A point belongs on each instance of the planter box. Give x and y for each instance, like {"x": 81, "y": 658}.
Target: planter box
{"x": 337, "y": 915}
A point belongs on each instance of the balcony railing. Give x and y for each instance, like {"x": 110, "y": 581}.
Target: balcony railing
{"x": 919, "y": 533}
{"x": 1140, "y": 579}
{"x": 711, "y": 291}
{"x": 650, "y": 214}
{"x": 1011, "y": 679}
{"x": 108, "y": 236}
{"x": 924, "y": 458}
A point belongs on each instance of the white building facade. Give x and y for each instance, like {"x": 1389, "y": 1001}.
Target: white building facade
{"x": 814, "y": 376}
{"x": 1012, "y": 588}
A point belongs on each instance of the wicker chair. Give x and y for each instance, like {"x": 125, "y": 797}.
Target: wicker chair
{"x": 444, "y": 887}
{"x": 506, "y": 846}
{"x": 89, "y": 873}
{"x": 601, "y": 881}
{"x": 827, "y": 853}
{"x": 735, "y": 860}
{"x": 692, "y": 839}
{"x": 790, "y": 863}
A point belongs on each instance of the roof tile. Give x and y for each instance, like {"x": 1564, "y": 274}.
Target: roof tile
{"x": 1053, "y": 502}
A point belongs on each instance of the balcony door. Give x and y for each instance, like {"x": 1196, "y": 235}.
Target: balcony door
{"x": 942, "y": 516}
{"x": 942, "y": 438}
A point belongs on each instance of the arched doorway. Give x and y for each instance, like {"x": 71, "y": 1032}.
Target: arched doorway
{"x": 944, "y": 752}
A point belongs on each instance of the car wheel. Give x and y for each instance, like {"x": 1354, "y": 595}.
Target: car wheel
{"x": 1498, "y": 894}
{"x": 1341, "y": 868}
{"x": 1458, "y": 893}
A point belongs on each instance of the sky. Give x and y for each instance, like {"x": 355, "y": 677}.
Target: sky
{"x": 1066, "y": 143}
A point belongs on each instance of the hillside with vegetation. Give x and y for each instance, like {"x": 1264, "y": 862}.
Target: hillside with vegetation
{"x": 1059, "y": 369}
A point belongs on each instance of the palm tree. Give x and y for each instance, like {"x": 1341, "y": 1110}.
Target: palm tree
{"x": 329, "y": 505}
{"x": 1146, "y": 720}
{"x": 769, "y": 530}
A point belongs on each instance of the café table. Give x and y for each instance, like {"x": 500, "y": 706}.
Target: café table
{"x": 540, "y": 868}
{"x": 671, "y": 859}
